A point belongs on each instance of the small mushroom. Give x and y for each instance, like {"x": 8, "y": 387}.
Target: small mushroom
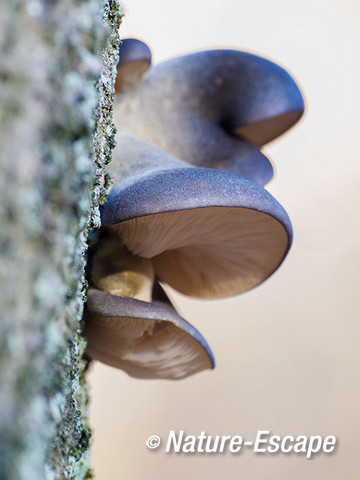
{"x": 131, "y": 323}
{"x": 209, "y": 233}
{"x": 213, "y": 109}
{"x": 135, "y": 59}
{"x": 145, "y": 340}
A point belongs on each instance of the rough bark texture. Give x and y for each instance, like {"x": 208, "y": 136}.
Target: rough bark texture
{"x": 50, "y": 57}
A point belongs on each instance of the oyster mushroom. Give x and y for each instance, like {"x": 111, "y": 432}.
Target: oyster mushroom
{"x": 130, "y": 323}
{"x": 144, "y": 339}
{"x": 135, "y": 59}
{"x": 209, "y": 233}
{"x": 213, "y": 109}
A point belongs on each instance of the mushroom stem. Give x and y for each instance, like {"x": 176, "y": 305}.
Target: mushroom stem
{"x": 115, "y": 270}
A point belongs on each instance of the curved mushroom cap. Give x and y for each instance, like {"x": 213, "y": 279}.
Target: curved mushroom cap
{"x": 209, "y": 108}
{"x": 135, "y": 59}
{"x": 143, "y": 339}
{"x": 115, "y": 270}
{"x": 210, "y": 233}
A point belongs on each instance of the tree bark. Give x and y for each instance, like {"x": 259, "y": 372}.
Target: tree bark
{"x": 56, "y": 138}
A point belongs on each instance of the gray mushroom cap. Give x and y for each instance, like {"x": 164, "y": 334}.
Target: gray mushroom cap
{"x": 209, "y": 233}
{"x": 212, "y": 109}
{"x": 145, "y": 340}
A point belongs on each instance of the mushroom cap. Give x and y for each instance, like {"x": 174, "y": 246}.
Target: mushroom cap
{"x": 210, "y": 233}
{"x": 115, "y": 270}
{"x": 135, "y": 59}
{"x": 212, "y": 109}
{"x": 145, "y": 340}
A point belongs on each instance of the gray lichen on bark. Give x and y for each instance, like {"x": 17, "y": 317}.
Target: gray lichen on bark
{"x": 50, "y": 57}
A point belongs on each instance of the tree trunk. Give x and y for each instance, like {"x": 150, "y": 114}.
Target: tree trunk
{"x": 53, "y": 153}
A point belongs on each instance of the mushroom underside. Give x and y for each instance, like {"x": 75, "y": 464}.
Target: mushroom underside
{"x": 209, "y": 251}
{"x": 261, "y": 132}
{"x": 130, "y": 74}
{"x": 145, "y": 348}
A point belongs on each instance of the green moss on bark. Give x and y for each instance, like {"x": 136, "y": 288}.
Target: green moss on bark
{"x": 50, "y": 57}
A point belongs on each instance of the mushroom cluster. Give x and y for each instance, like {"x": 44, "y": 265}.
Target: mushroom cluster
{"x": 188, "y": 206}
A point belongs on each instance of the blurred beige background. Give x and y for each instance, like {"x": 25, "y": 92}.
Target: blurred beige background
{"x": 288, "y": 352}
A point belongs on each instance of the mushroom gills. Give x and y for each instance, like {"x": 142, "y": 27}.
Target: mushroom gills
{"x": 262, "y": 132}
{"x": 209, "y": 251}
{"x": 151, "y": 342}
